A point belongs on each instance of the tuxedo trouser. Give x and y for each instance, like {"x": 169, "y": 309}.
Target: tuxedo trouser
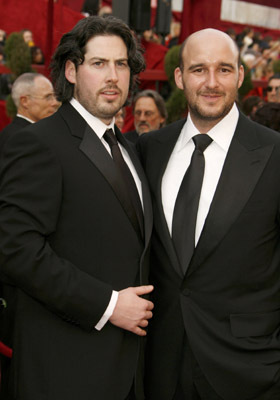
{"x": 192, "y": 383}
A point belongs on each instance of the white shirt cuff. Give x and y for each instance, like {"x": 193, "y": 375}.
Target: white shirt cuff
{"x": 108, "y": 312}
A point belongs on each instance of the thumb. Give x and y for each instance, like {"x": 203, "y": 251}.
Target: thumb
{"x": 139, "y": 290}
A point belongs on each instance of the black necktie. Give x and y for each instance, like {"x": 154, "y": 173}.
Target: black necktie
{"x": 186, "y": 206}
{"x": 132, "y": 203}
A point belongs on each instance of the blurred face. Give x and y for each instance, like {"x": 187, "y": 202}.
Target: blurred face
{"x": 102, "y": 81}
{"x": 37, "y": 57}
{"x": 210, "y": 78}
{"x": 41, "y": 101}
{"x": 27, "y": 36}
{"x": 119, "y": 118}
{"x": 273, "y": 91}
{"x": 146, "y": 115}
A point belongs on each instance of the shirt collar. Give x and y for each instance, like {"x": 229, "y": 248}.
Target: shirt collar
{"x": 221, "y": 133}
{"x": 24, "y": 117}
{"x": 95, "y": 123}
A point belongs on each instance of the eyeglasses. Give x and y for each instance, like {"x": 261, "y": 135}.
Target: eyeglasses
{"x": 48, "y": 97}
{"x": 270, "y": 88}
{"x": 146, "y": 113}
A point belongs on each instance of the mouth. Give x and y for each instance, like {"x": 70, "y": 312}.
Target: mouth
{"x": 110, "y": 93}
{"x": 211, "y": 97}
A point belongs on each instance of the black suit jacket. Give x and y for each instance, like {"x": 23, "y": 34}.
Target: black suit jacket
{"x": 132, "y": 136}
{"x": 16, "y": 124}
{"x": 228, "y": 303}
{"x": 65, "y": 243}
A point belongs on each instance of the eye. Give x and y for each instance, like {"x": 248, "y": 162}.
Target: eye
{"x": 198, "y": 70}
{"x": 98, "y": 64}
{"x": 225, "y": 70}
{"x": 122, "y": 64}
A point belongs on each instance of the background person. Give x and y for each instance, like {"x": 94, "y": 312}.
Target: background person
{"x": 119, "y": 118}
{"x": 273, "y": 89}
{"x": 34, "y": 98}
{"x": 149, "y": 113}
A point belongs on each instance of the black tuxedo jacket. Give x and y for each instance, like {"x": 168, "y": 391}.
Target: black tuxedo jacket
{"x": 65, "y": 243}
{"x": 16, "y": 124}
{"x": 132, "y": 136}
{"x": 228, "y": 302}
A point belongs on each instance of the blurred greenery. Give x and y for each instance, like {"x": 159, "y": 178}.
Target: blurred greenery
{"x": 18, "y": 60}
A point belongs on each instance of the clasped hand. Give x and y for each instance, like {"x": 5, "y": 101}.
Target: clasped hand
{"x": 132, "y": 312}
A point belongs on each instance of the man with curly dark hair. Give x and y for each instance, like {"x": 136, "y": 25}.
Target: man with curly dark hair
{"x": 76, "y": 221}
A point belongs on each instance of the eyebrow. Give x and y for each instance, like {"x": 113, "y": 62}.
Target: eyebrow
{"x": 200, "y": 65}
{"x": 106, "y": 59}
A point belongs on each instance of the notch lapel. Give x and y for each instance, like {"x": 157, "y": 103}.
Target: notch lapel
{"x": 245, "y": 161}
{"x": 93, "y": 148}
{"x": 148, "y": 218}
{"x": 164, "y": 146}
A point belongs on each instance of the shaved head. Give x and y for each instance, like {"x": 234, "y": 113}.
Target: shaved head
{"x": 210, "y": 75}
{"x": 207, "y": 35}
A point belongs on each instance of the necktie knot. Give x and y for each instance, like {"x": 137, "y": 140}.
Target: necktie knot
{"x": 202, "y": 141}
{"x": 110, "y": 137}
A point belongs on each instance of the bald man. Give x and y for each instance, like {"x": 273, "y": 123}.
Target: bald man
{"x": 215, "y": 263}
{"x": 34, "y": 98}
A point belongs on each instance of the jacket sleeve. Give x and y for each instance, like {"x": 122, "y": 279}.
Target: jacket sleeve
{"x": 31, "y": 182}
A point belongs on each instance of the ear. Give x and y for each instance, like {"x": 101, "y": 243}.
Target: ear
{"x": 70, "y": 71}
{"x": 178, "y": 78}
{"x": 162, "y": 120}
{"x": 23, "y": 101}
{"x": 240, "y": 76}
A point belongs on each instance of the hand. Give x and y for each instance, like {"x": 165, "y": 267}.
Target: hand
{"x": 132, "y": 312}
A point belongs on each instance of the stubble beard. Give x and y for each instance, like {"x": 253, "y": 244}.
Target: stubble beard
{"x": 206, "y": 115}
{"x": 100, "y": 109}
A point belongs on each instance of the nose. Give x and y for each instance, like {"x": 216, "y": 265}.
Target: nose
{"x": 112, "y": 73}
{"x": 55, "y": 103}
{"x": 212, "y": 80}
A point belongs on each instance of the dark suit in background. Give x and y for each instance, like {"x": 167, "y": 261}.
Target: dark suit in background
{"x": 16, "y": 124}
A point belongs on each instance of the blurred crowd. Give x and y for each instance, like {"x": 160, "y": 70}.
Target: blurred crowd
{"x": 260, "y": 54}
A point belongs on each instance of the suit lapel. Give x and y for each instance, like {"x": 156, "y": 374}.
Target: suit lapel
{"x": 243, "y": 167}
{"x": 144, "y": 184}
{"x": 166, "y": 141}
{"x": 93, "y": 148}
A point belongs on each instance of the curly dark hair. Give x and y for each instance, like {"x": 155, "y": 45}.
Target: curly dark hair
{"x": 72, "y": 47}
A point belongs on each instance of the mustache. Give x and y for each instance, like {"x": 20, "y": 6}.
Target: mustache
{"x": 211, "y": 93}
{"x": 110, "y": 87}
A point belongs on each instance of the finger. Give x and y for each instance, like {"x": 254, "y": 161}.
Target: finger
{"x": 143, "y": 323}
{"x": 140, "y": 290}
{"x": 150, "y": 305}
{"x": 138, "y": 331}
{"x": 148, "y": 315}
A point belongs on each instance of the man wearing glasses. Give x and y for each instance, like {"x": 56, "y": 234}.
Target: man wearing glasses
{"x": 34, "y": 98}
{"x": 273, "y": 93}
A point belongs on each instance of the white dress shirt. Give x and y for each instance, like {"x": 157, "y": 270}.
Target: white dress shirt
{"x": 179, "y": 161}
{"x": 99, "y": 128}
{"x": 24, "y": 117}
